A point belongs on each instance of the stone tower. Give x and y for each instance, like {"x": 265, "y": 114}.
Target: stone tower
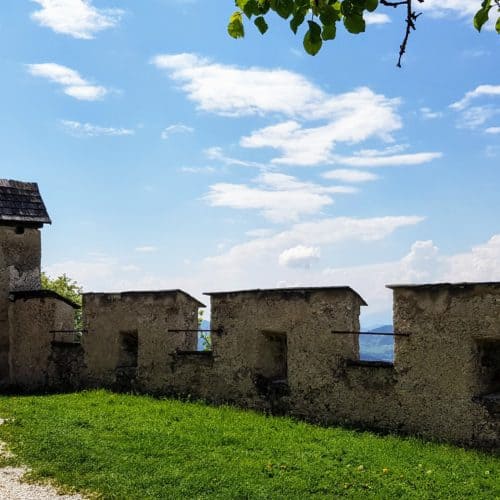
{"x": 22, "y": 214}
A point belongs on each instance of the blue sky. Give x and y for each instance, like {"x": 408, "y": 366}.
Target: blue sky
{"x": 171, "y": 156}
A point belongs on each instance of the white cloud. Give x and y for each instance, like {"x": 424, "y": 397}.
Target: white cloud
{"x": 349, "y": 175}
{"x": 361, "y": 116}
{"x": 493, "y": 130}
{"x": 216, "y": 153}
{"x": 146, "y": 249}
{"x": 324, "y": 232}
{"x": 299, "y": 256}
{"x": 480, "y": 91}
{"x": 376, "y": 18}
{"x": 370, "y": 160}
{"x": 77, "y": 18}
{"x": 278, "y": 197}
{"x": 233, "y": 91}
{"x": 178, "y": 128}
{"x": 70, "y": 80}
{"x": 228, "y": 90}
{"x": 198, "y": 170}
{"x": 476, "y": 116}
{"x": 79, "y": 129}
{"x": 429, "y": 114}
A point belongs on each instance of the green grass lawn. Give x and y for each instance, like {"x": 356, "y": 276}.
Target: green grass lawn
{"x": 121, "y": 446}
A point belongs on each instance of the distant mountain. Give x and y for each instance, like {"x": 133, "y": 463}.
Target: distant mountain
{"x": 377, "y": 347}
{"x": 382, "y": 329}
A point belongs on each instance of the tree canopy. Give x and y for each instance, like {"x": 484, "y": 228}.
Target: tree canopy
{"x": 68, "y": 288}
{"x": 323, "y": 17}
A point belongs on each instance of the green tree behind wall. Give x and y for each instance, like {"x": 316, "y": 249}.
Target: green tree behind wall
{"x": 67, "y": 288}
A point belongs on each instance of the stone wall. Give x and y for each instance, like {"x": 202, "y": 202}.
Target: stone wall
{"x": 448, "y": 369}
{"x": 288, "y": 351}
{"x": 20, "y": 255}
{"x": 274, "y": 349}
{"x": 32, "y": 318}
{"x": 128, "y": 343}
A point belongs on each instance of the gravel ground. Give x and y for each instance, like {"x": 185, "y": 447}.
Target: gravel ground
{"x": 12, "y": 486}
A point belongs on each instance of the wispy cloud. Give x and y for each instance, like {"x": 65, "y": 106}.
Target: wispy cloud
{"x": 178, "y": 128}
{"x": 76, "y": 18}
{"x": 350, "y": 175}
{"x": 278, "y": 197}
{"x": 372, "y": 160}
{"x": 146, "y": 249}
{"x": 79, "y": 129}
{"x": 429, "y": 114}
{"x": 70, "y": 80}
{"x": 216, "y": 153}
{"x": 198, "y": 170}
{"x": 480, "y": 91}
{"x": 320, "y": 233}
{"x": 493, "y": 130}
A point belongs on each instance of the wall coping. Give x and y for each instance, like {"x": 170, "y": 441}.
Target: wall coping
{"x": 136, "y": 293}
{"x": 444, "y": 286}
{"x": 302, "y": 290}
{"x": 41, "y": 294}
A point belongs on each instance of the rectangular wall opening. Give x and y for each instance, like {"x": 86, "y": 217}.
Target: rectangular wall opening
{"x": 272, "y": 355}
{"x": 489, "y": 372}
{"x": 129, "y": 346}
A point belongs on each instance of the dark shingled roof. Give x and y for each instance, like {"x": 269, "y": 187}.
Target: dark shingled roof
{"x": 21, "y": 203}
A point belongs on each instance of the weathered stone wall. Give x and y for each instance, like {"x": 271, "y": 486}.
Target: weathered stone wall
{"x": 20, "y": 256}
{"x": 31, "y": 320}
{"x": 275, "y": 349}
{"x": 450, "y": 361}
{"x": 128, "y": 343}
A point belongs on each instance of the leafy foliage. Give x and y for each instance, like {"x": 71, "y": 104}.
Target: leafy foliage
{"x": 68, "y": 288}
{"x": 483, "y": 14}
{"x": 324, "y": 16}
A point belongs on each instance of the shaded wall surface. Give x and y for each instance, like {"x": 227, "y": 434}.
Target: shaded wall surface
{"x": 33, "y": 358}
{"x": 129, "y": 342}
{"x": 20, "y": 256}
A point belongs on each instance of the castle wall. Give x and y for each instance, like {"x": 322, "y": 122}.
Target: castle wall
{"x": 31, "y": 320}
{"x": 450, "y": 361}
{"x": 20, "y": 256}
{"x": 128, "y": 343}
{"x": 274, "y": 348}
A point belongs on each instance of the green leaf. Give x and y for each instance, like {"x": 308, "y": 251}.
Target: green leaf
{"x": 329, "y": 31}
{"x": 264, "y": 6}
{"x": 251, "y": 8}
{"x": 482, "y": 15}
{"x": 260, "y": 22}
{"x": 312, "y": 39}
{"x": 354, "y": 24}
{"x": 283, "y": 8}
{"x": 329, "y": 15}
{"x": 297, "y": 19}
{"x": 497, "y": 26}
{"x": 371, "y": 5}
{"x": 235, "y": 26}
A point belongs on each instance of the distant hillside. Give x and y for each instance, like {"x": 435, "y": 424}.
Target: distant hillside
{"x": 377, "y": 348}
